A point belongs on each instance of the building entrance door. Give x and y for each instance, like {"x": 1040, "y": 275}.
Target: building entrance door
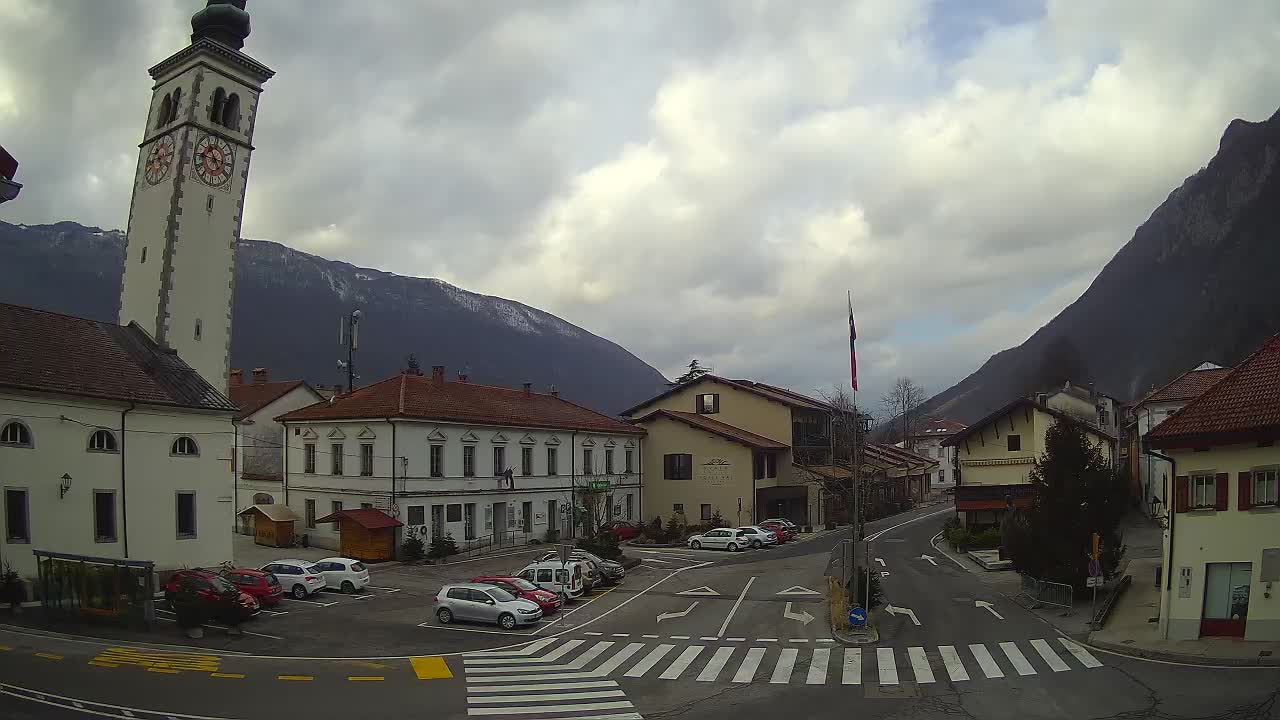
{"x": 1226, "y": 599}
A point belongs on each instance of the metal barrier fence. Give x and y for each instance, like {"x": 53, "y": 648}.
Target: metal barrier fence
{"x": 1044, "y": 592}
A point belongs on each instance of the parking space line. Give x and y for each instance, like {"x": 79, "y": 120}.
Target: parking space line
{"x": 166, "y": 671}
{"x": 5, "y": 647}
{"x": 366, "y": 678}
{"x": 99, "y": 663}
{"x": 48, "y": 656}
{"x": 313, "y": 602}
{"x": 276, "y": 612}
{"x": 388, "y": 589}
{"x": 431, "y": 667}
{"x": 229, "y": 676}
{"x": 300, "y": 678}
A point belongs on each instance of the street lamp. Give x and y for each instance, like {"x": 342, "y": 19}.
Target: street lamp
{"x": 65, "y": 487}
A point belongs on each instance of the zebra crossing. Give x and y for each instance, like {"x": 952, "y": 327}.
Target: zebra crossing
{"x": 553, "y": 674}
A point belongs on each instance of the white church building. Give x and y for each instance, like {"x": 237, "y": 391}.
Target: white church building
{"x": 116, "y": 440}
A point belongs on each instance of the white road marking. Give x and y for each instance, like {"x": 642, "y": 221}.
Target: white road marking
{"x": 276, "y": 612}
{"x": 621, "y": 635}
{"x": 735, "y": 639}
{"x": 1050, "y": 657}
{"x": 986, "y": 662}
{"x": 1080, "y": 653}
{"x": 681, "y": 663}
{"x": 747, "y": 670}
{"x": 951, "y": 659}
{"x": 799, "y": 640}
{"x": 656, "y": 560}
{"x": 585, "y": 658}
{"x": 736, "y": 605}
{"x": 824, "y": 640}
{"x": 561, "y": 651}
{"x": 782, "y": 671}
{"x": 388, "y": 589}
{"x": 313, "y": 602}
{"x": 709, "y": 637}
{"x": 876, "y": 536}
{"x": 766, "y": 639}
{"x": 618, "y": 658}
{"x": 920, "y": 665}
{"x": 595, "y": 634}
{"x": 529, "y": 649}
{"x": 587, "y": 695}
{"x": 852, "y": 673}
{"x": 651, "y": 637}
{"x": 818, "y": 667}
{"x": 516, "y": 669}
{"x": 679, "y": 637}
{"x": 576, "y": 707}
{"x": 798, "y": 590}
{"x": 990, "y": 609}
{"x": 581, "y": 685}
{"x": 649, "y": 661}
{"x": 472, "y": 680}
{"x": 716, "y": 664}
{"x": 1017, "y": 659}
{"x": 887, "y": 665}
{"x": 521, "y": 660}
{"x": 682, "y": 613}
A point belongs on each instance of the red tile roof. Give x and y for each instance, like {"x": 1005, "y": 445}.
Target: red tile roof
{"x": 1241, "y": 407}
{"x": 1188, "y": 385}
{"x": 48, "y": 352}
{"x": 420, "y": 397}
{"x": 939, "y": 427}
{"x": 769, "y": 392}
{"x": 724, "y": 430}
{"x": 367, "y": 518}
{"x": 252, "y": 397}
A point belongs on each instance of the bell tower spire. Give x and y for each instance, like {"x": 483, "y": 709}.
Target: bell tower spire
{"x": 189, "y": 190}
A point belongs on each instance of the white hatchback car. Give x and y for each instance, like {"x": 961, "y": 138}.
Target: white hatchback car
{"x": 343, "y": 574}
{"x": 731, "y": 539}
{"x": 758, "y": 537}
{"x": 299, "y": 578}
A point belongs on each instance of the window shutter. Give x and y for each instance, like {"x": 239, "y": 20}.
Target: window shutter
{"x": 1244, "y": 488}
{"x": 1181, "y": 493}
{"x": 1220, "y": 485}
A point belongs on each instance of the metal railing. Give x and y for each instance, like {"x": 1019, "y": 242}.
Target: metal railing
{"x": 496, "y": 541}
{"x": 1045, "y": 592}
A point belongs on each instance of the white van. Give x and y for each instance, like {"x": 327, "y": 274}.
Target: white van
{"x": 567, "y": 581}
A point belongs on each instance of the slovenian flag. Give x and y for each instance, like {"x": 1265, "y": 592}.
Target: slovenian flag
{"x": 853, "y": 353}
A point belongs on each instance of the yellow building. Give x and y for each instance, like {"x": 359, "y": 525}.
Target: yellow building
{"x": 995, "y": 455}
{"x": 733, "y": 446}
{"x": 1221, "y": 571}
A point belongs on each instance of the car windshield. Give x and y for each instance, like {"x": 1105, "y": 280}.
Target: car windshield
{"x": 500, "y": 595}
{"x": 523, "y": 584}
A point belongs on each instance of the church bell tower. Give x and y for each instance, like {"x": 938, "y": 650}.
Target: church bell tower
{"x": 188, "y": 191}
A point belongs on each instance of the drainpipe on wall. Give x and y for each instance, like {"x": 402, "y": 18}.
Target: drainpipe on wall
{"x": 235, "y": 476}
{"x": 124, "y": 495}
{"x": 1168, "y": 571}
{"x": 394, "y": 461}
{"x": 573, "y": 484}
{"x": 284, "y": 453}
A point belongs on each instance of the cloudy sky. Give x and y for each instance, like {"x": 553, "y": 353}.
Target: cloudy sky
{"x": 686, "y": 178}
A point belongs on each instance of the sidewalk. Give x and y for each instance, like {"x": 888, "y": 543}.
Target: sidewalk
{"x": 1132, "y": 629}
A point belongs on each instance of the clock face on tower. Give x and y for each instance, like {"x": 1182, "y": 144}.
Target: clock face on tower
{"x": 159, "y": 158}
{"x": 214, "y": 160}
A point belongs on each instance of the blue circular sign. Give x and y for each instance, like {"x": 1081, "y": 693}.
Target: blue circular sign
{"x": 857, "y": 617}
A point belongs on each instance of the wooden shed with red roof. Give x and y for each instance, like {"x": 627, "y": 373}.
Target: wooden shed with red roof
{"x": 367, "y": 533}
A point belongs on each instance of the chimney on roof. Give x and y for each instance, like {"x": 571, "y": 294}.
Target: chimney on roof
{"x": 554, "y": 392}
{"x": 462, "y": 377}
{"x": 437, "y": 374}
{"x": 236, "y": 377}
{"x": 528, "y": 389}
{"x": 260, "y": 375}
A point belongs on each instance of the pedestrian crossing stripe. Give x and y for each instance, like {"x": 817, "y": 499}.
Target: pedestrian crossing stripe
{"x": 706, "y": 663}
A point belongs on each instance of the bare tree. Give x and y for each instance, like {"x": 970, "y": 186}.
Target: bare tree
{"x": 901, "y": 403}
{"x": 846, "y": 437}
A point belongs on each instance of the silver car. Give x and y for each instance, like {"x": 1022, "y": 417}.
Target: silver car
{"x": 476, "y": 602}
{"x": 758, "y": 537}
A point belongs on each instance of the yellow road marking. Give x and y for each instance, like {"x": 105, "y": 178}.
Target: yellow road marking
{"x": 5, "y": 647}
{"x": 430, "y": 668}
{"x": 48, "y": 656}
{"x": 166, "y": 671}
{"x": 226, "y": 675}
{"x": 172, "y": 661}
{"x": 103, "y": 664}
{"x": 294, "y": 677}
{"x": 365, "y": 678}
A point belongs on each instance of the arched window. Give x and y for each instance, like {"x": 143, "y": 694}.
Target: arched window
{"x": 184, "y": 445}
{"x": 102, "y": 441}
{"x": 263, "y": 499}
{"x": 15, "y": 434}
{"x": 231, "y": 112}
{"x": 173, "y": 109}
{"x": 215, "y": 107}
{"x": 162, "y": 117}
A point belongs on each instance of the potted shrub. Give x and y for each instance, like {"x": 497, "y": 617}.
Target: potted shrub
{"x": 11, "y": 590}
{"x": 191, "y": 609}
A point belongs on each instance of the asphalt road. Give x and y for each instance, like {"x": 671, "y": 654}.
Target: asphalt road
{"x": 691, "y": 634}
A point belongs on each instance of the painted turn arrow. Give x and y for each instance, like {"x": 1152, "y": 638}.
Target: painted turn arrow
{"x": 881, "y": 561}
{"x": 903, "y": 611}
{"x": 930, "y": 559}
{"x": 802, "y": 616}
{"x": 987, "y": 605}
{"x": 668, "y": 616}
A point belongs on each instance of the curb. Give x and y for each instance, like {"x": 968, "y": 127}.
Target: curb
{"x": 1183, "y": 658}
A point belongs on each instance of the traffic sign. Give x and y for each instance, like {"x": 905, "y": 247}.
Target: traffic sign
{"x": 566, "y": 552}
{"x": 857, "y": 617}
{"x": 1094, "y": 582}
{"x": 1095, "y": 569}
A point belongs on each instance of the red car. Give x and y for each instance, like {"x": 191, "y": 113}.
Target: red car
{"x": 214, "y": 590}
{"x": 622, "y": 530}
{"x": 521, "y": 588}
{"x": 784, "y": 533}
{"x": 263, "y": 587}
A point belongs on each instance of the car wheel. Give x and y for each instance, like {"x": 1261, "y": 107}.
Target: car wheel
{"x": 695, "y": 545}
{"x": 507, "y": 621}
{"x": 300, "y": 592}
{"x": 731, "y": 547}
{"x": 348, "y": 587}
{"x": 756, "y": 544}
{"x": 444, "y": 615}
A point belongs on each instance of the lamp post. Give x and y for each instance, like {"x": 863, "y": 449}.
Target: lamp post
{"x": 65, "y": 487}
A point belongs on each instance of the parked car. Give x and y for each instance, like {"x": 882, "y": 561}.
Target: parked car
{"x": 622, "y": 530}
{"x": 593, "y": 574}
{"x": 218, "y": 598}
{"x": 567, "y": 582}
{"x": 264, "y": 587}
{"x": 783, "y": 522}
{"x": 343, "y": 574}
{"x": 784, "y": 533}
{"x": 610, "y": 572}
{"x": 484, "y": 603}
{"x": 731, "y": 539}
{"x": 521, "y": 588}
{"x": 758, "y": 537}
{"x": 299, "y": 578}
